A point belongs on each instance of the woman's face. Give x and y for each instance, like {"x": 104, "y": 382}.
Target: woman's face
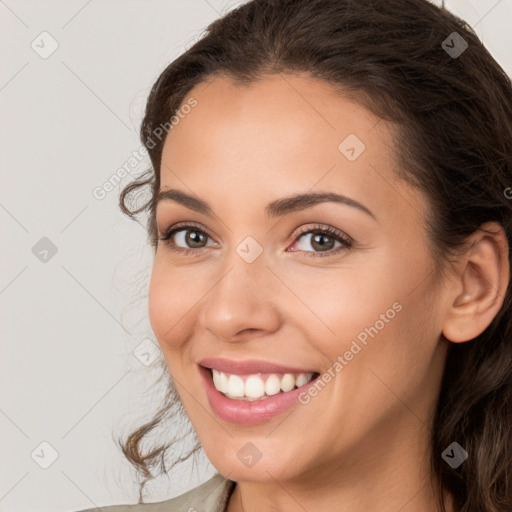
{"x": 269, "y": 285}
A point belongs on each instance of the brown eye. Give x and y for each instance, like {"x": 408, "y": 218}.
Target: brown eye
{"x": 194, "y": 238}
{"x": 322, "y": 240}
{"x": 185, "y": 238}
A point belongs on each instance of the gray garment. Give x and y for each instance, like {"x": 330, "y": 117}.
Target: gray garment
{"x": 211, "y": 496}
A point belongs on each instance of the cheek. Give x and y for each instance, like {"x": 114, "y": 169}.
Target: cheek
{"x": 373, "y": 314}
{"x": 351, "y": 303}
{"x": 170, "y": 304}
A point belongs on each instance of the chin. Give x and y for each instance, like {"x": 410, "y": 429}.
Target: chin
{"x": 270, "y": 467}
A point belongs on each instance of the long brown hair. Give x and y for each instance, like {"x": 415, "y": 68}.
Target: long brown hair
{"x": 454, "y": 142}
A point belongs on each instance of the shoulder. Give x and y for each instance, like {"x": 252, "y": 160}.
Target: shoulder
{"x": 211, "y": 496}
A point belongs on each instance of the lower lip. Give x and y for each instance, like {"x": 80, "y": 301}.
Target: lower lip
{"x": 246, "y": 412}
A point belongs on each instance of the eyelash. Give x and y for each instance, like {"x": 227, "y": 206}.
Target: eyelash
{"x": 347, "y": 243}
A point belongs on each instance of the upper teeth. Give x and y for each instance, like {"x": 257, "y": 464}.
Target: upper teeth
{"x": 255, "y": 386}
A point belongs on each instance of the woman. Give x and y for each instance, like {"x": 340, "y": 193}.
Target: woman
{"x": 331, "y": 216}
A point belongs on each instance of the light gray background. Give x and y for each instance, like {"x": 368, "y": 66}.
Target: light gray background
{"x": 68, "y": 375}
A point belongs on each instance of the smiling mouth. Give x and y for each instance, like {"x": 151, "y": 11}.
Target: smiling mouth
{"x": 258, "y": 386}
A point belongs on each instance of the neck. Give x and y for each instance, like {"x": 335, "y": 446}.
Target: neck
{"x": 386, "y": 479}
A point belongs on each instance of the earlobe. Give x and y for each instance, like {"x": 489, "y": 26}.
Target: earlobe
{"x": 483, "y": 276}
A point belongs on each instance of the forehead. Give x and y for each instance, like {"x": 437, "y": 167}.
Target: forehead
{"x": 284, "y": 134}
{"x": 288, "y": 107}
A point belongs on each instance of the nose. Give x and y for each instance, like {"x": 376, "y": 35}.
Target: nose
{"x": 243, "y": 299}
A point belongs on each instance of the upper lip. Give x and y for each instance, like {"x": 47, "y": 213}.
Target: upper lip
{"x": 249, "y": 366}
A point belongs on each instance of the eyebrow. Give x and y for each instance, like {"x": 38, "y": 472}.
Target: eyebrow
{"x": 276, "y": 208}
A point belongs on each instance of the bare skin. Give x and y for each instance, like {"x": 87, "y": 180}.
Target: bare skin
{"x": 363, "y": 442}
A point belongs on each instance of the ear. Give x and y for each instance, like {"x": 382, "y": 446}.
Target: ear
{"x": 482, "y": 280}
